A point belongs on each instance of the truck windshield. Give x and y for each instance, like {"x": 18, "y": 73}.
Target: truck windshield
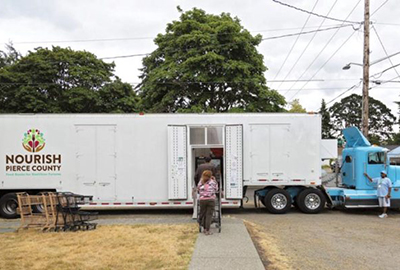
{"x": 376, "y": 158}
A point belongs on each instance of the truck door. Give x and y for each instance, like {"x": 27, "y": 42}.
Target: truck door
{"x": 234, "y": 161}
{"x": 86, "y": 160}
{"x": 375, "y": 164}
{"x": 279, "y": 151}
{"x": 96, "y": 161}
{"x": 348, "y": 177}
{"x": 177, "y": 163}
{"x": 106, "y": 162}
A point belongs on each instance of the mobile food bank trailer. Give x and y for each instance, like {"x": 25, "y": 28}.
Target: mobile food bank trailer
{"x": 148, "y": 161}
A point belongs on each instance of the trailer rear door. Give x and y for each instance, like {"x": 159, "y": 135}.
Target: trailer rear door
{"x": 177, "y": 162}
{"x": 234, "y": 161}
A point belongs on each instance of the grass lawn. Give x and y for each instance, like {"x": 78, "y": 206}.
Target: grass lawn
{"x": 107, "y": 247}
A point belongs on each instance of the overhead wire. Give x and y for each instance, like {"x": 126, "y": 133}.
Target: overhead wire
{"x": 376, "y": 10}
{"x": 308, "y": 44}
{"x": 232, "y": 43}
{"x": 340, "y": 47}
{"x": 144, "y": 38}
{"x": 344, "y": 92}
{"x": 380, "y": 73}
{"x": 295, "y": 42}
{"x": 384, "y": 49}
{"x": 315, "y": 14}
{"x": 221, "y": 45}
{"x": 323, "y": 49}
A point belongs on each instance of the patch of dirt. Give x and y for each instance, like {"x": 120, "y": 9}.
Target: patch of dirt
{"x": 267, "y": 248}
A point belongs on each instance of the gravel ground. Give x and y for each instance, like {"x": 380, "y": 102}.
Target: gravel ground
{"x": 333, "y": 239}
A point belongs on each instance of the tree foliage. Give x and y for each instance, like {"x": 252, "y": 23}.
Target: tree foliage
{"x": 347, "y": 112}
{"x": 61, "y": 80}
{"x": 295, "y": 107}
{"x": 326, "y": 121}
{"x": 9, "y": 56}
{"x": 206, "y": 63}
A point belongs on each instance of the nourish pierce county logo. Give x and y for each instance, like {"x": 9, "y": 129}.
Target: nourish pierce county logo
{"x": 33, "y": 141}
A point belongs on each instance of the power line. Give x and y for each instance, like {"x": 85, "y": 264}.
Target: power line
{"x": 325, "y": 48}
{"x": 231, "y": 43}
{"x": 295, "y": 42}
{"x": 143, "y": 38}
{"x": 390, "y": 24}
{"x": 308, "y": 44}
{"x": 376, "y": 10}
{"x": 324, "y": 64}
{"x": 310, "y": 32}
{"x": 315, "y": 14}
{"x": 332, "y": 88}
{"x": 222, "y": 45}
{"x": 326, "y": 45}
{"x": 124, "y": 56}
{"x": 344, "y": 92}
{"x": 379, "y": 74}
{"x": 358, "y": 85}
{"x": 387, "y": 81}
{"x": 384, "y": 49}
{"x": 292, "y": 28}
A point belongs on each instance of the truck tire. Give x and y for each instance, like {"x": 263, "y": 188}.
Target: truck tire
{"x": 38, "y": 208}
{"x": 9, "y": 206}
{"x": 311, "y": 201}
{"x": 278, "y": 201}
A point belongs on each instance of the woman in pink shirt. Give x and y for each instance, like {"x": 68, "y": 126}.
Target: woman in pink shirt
{"x": 207, "y": 188}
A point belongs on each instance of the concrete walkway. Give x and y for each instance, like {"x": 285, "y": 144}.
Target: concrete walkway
{"x": 231, "y": 249}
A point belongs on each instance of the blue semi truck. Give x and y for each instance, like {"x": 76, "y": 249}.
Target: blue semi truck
{"x": 355, "y": 191}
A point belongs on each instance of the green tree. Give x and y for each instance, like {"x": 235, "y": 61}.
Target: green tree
{"x": 295, "y": 107}
{"x": 61, "y": 80}
{"x": 206, "y": 63}
{"x": 395, "y": 139}
{"x": 347, "y": 112}
{"x": 326, "y": 121}
{"x": 9, "y": 56}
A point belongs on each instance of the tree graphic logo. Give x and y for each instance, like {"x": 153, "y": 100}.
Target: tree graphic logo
{"x": 33, "y": 141}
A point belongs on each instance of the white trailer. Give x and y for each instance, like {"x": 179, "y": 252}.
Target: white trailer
{"x": 148, "y": 161}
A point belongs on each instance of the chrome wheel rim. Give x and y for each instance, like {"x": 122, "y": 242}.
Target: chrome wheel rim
{"x": 279, "y": 201}
{"x": 312, "y": 201}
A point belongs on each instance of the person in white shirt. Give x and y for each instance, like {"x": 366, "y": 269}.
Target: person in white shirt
{"x": 384, "y": 187}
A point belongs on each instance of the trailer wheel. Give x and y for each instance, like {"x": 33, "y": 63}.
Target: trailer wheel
{"x": 311, "y": 201}
{"x": 277, "y": 201}
{"x": 9, "y": 206}
{"x": 38, "y": 208}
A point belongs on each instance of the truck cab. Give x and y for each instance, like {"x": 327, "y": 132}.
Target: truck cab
{"x": 360, "y": 157}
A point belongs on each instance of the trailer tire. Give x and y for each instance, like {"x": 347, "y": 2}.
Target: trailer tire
{"x": 9, "y": 206}
{"x": 38, "y": 208}
{"x": 278, "y": 201}
{"x": 311, "y": 201}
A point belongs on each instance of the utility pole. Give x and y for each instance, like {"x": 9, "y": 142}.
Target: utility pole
{"x": 364, "y": 117}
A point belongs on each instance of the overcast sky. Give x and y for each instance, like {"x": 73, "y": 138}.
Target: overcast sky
{"x": 320, "y": 57}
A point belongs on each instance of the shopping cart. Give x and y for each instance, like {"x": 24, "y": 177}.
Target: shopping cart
{"x": 217, "y": 215}
{"x": 70, "y": 217}
{"x": 61, "y": 211}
